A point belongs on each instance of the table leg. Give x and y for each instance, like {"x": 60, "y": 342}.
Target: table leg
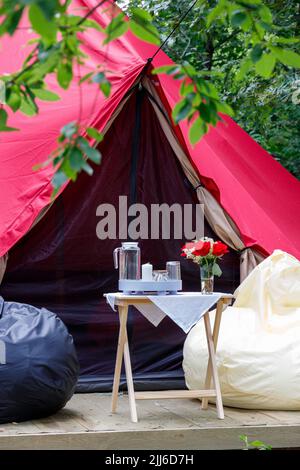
{"x": 123, "y": 312}
{"x": 215, "y": 335}
{"x": 213, "y": 363}
{"x": 129, "y": 380}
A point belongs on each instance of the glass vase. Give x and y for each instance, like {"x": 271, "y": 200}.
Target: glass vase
{"x": 207, "y": 279}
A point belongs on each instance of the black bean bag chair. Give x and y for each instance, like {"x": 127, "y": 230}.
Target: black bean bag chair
{"x": 38, "y": 363}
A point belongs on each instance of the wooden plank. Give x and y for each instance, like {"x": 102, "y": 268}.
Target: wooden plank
{"x": 173, "y": 394}
{"x": 94, "y": 411}
{"x": 284, "y": 417}
{"x": 26, "y": 427}
{"x": 64, "y": 421}
{"x": 191, "y": 411}
{"x": 96, "y": 415}
{"x": 249, "y": 417}
{"x": 188, "y": 439}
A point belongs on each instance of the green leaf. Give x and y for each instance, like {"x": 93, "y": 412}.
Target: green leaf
{"x": 87, "y": 168}
{"x": 256, "y": 53}
{"x": 189, "y": 69}
{"x": 140, "y": 13}
{"x": 244, "y": 68}
{"x": 286, "y": 56}
{"x": 105, "y": 87}
{"x": 8, "y": 129}
{"x": 13, "y": 21}
{"x": 48, "y": 7}
{"x": 186, "y": 88}
{"x": 197, "y": 129}
{"x": 211, "y": 90}
{"x": 14, "y": 101}
{"x": 181, "y": 110}
{"x": 216, "y": 270}
{"x": 59, "y": 179}
{"x": 31, "y": 97}
{"x": 70, "y": 20}
{"x": 168, "y": 69}
{"x": 44, "y": 67}
{"x": 76, "y": 159}
{"x": 99, "y": 77}
{"x": 45, "y": 95}
{"x": 265, "y": 66}
{"x": 280, "y": 40}
{"x": 68, "y": 170}
{"x": 215, "y": 13}
{"x": 93, "y": 24}
{"x": 251, "y": 4}
{"x": 3, "y": 117}
{"x": 116, "y": 28}
{"x": 140, "y": 24}
{"x": 238, "y": 18}
{"x": 69, "y": 129}
{"x": 47, "y": 29}
{"x": 105, "y": 84}
{"x": 257, "y": 444}
{"x": 224, "y": 108}
{"x": 27, "y": 107}
{"x": 247, "y": 24}
{"x": 72, "y": 43}
{"x": 265, "y": 14}
{"x": 92, "y": 153}
{"x": 145, "y": 31}
{"x": 94, "y": 134}
{"x": 86, "y": 77}
{"x": 265, "y": 25}
{"x": 64, "y": 74}
{"x": 205, "y": 113}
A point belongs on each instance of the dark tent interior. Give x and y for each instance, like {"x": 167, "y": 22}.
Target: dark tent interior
{"x": 62, "y": 265}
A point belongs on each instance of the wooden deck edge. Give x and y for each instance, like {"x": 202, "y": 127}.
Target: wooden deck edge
{"x": 185, "y": 439}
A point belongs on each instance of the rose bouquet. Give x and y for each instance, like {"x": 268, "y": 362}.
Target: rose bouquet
{"x": 206, "y": 252}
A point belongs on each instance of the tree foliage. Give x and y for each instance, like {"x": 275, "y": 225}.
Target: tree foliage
{"x": 256, "y": 78}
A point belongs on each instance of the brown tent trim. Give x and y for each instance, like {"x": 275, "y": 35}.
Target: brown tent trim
{"x": 216, "y": 216}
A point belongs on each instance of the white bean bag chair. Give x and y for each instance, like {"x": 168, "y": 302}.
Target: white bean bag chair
{"x": 258, "y": 353}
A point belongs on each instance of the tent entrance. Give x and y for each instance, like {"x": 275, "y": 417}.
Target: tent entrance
{"x": 62, "y": 265}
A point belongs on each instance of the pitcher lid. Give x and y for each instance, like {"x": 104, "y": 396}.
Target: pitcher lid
{"x": 129, "y": 244}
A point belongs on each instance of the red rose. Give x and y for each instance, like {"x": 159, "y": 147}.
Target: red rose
{"x": 201, "y": 248}
{"x": 219, "y": 249}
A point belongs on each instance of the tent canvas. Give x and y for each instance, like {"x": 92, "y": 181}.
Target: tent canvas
{"x": 60, "y": 263}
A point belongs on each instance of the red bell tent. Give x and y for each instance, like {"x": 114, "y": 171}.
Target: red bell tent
{"x": 259, "y": 195}
{"x": 56, "y": 260}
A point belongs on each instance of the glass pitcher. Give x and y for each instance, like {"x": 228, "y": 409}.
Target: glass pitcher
{"x": 130, "y": 260}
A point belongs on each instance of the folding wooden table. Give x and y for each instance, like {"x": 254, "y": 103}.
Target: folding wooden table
{"x": 123, "y": 302}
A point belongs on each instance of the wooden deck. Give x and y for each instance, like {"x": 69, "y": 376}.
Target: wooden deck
{"x": 86, "y": 423}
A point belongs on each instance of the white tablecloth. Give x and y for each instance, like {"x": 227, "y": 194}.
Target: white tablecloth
{"x": 185, "y": 308}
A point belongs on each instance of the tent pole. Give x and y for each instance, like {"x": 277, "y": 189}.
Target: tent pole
{"x": 133, "y": 180}
{"x": 135, "y": 146}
